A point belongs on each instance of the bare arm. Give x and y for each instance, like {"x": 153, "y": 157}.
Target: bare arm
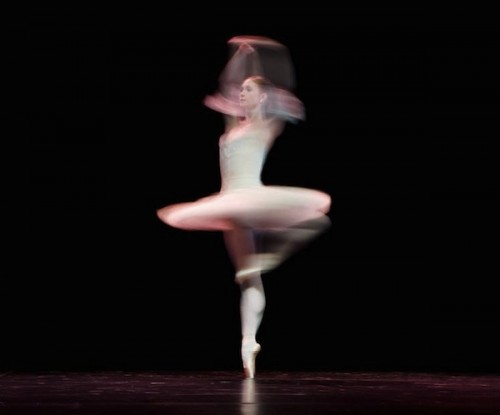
{"x": 245, "y": 62}
{"x": 226, "y": 99}
{"x": 242, "y": 64}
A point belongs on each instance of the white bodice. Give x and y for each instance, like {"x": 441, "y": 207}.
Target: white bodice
{"x": 242, "y": 156}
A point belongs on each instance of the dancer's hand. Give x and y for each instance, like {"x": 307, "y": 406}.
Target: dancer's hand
{"x": 254, "y": 40}
{"x": 246, "y": 48}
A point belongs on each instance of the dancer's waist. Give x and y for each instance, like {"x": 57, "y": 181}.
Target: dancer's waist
{"x": 240, "y": 182}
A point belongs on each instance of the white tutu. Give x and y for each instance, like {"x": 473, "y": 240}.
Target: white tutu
{"x": 244, "y": 201}
{"x": 261, "y": 207}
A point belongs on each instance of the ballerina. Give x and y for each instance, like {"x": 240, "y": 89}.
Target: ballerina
{"x": 263, "y": 225}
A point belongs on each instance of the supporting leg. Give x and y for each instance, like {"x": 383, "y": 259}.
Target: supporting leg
{"x": 241, "y": 246}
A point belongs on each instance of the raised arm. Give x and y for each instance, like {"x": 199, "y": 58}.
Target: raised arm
{"x": 257, "y": 55}
{"x": 226, "y": 99}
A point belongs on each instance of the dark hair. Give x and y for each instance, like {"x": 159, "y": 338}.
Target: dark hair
{"x": 261, "y": 81}
{"x": 280, "y": 103}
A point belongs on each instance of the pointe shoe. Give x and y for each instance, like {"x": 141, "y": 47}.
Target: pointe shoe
{"x": 246, "y": 273}
{"x": 268, "y": 262}
{"x": 252, "y": 269}
{"x": 248, "y": 355}
{"x": 259, "y": 263}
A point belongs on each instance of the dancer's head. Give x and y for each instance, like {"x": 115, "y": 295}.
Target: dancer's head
{"x": 255, "y": 92}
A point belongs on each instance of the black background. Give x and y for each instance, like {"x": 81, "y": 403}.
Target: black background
{"x": 401, "y": 123}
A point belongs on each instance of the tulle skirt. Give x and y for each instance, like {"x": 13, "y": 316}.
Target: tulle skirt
{"x": 262, "y": 207}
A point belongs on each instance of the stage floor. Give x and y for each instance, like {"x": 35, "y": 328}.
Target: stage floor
{"x": 226, "y": 392}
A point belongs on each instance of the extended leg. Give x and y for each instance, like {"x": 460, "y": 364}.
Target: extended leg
{"x": 299, "y": 236}
{"x": 279, "y": 245}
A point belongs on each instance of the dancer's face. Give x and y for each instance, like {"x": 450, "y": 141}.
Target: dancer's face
{"x": 251, "y": 94}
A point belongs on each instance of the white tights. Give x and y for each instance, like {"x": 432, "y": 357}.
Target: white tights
{"x": 250, "y": 261}
{"x": 252, "y": 305}
{"x": 280, "y": 244}
{"x": 240, "y": 243}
